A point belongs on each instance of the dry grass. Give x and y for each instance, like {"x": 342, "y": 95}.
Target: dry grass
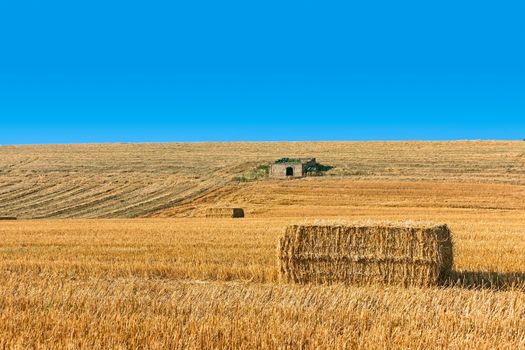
{"x": 365, "y": 253}
{"x": 160, "y": 314}
{"x": 131, "y": 180}
{"x": 210, "y": 282}
{"x": 214, "y": 283}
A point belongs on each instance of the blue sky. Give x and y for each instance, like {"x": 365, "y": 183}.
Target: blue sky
{"x": 151, "y": 71}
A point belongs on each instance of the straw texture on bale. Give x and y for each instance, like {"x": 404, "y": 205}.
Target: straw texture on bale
{"x": 224, "y": 213}
{"x": 408, "y": 254}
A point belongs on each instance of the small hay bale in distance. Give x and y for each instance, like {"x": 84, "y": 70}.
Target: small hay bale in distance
{"x": 407, "y": 254}
{"x": 224, "y": 213}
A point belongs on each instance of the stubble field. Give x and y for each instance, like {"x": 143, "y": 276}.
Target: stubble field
{"x": 173, "y": 279}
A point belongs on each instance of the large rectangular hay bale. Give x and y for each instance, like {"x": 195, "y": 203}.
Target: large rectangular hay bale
{"x": 408, "y": 254}
{"x": 224, "y": 213}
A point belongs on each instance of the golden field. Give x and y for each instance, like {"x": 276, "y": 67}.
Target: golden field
{"x": 133, "y": 180}
{"x": 174, "y": 279}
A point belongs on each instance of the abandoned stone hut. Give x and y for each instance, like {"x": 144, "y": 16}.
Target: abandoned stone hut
{"x": 293, "y": 167}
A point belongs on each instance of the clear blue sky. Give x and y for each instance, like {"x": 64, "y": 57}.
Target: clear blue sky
{"x": 138, "y": 71}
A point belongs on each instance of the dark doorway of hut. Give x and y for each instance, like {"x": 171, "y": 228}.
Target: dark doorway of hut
{"x": 289, "y": 171}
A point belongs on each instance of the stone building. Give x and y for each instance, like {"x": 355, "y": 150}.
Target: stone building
{"x": 293, "y": 167}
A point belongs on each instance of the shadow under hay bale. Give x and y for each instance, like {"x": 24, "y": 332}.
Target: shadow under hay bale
{"x": 7, "y": 218}
{"x": 224, "y": 213}
{"x": 486, "y": 280}
{"x": 407, "y": 254}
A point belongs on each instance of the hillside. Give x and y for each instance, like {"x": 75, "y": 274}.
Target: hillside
{"x": 178, "y": 280}
{"x": 134, "y": 180}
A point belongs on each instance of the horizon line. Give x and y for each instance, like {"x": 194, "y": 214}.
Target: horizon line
{"x": 259, "y": 141}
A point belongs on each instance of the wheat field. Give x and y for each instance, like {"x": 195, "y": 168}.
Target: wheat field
{"x": 136, "y": 180}
{"x": 121, "y": 255}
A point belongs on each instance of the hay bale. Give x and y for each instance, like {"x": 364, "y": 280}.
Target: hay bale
{"x": 7, "y": 218}
{"x": 408, "y": 254}
{"x": 224, "y": 213}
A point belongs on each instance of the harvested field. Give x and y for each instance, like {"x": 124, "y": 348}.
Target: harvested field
{"x": 365, "y": 253}
{"x": 186, "y": 281}
{"x": 199, "y": 282}
{"x": 134, "y": 180}
{"x": 129, "y": 312}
